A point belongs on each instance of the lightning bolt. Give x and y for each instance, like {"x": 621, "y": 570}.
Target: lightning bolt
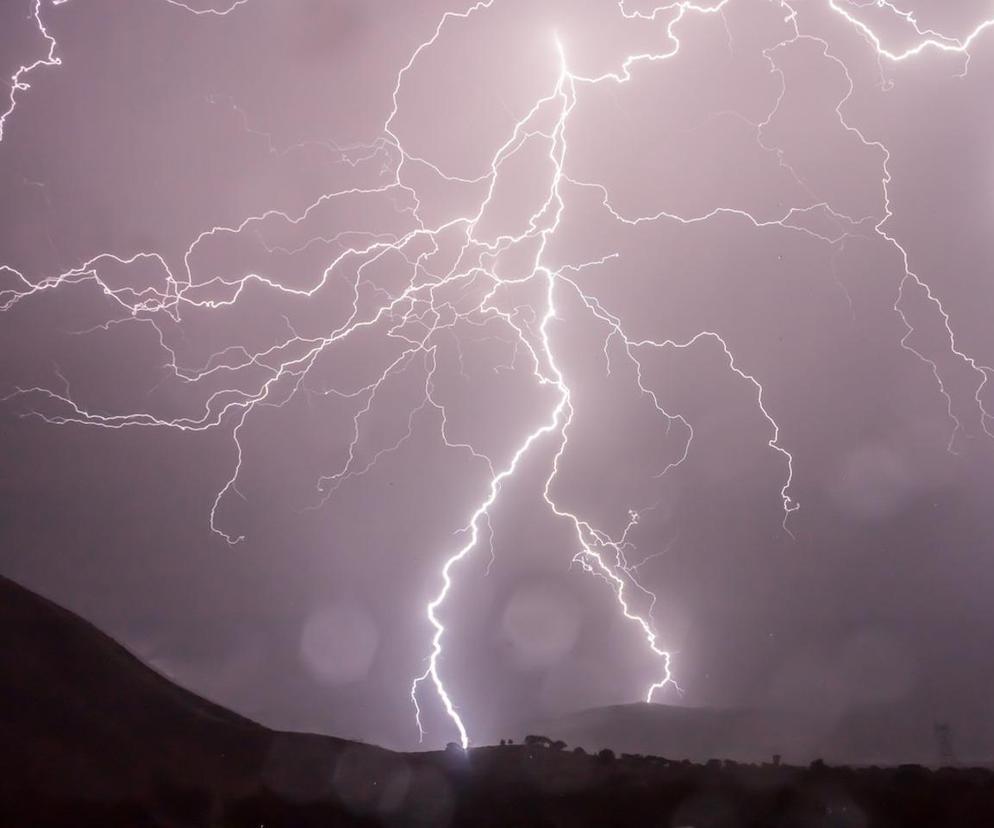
{"x": 422, "y": 315}
{"x": 929, "y": 40}
{"x": 17, "y": 80}
{"x": 547, "y": 372}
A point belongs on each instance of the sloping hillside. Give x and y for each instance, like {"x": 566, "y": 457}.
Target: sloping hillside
{"x": 81, "y": 716}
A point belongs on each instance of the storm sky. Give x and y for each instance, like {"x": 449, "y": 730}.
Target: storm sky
{"x": 285, "y": 293}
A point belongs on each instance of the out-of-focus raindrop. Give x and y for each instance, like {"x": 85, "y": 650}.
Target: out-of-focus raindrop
{"x": 369, "y": 780}
{"x": 872, "y": 483}
{"x": 339, "y": 642}
{"x": 541, "y": 621}
{"x": 429, "y": 799}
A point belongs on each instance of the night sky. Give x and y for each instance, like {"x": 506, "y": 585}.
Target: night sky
{"x": 293, "y": 290}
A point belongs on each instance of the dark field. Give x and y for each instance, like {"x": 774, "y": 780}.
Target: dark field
{"x": 521, "y": 786}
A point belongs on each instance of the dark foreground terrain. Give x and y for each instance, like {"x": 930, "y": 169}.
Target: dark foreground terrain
{"x": 89, "y": 736}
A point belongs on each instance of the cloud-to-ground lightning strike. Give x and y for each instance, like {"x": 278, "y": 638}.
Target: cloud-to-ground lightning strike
{"x": 424, "y": 309}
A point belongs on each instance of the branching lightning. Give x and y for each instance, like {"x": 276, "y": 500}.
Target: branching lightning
{"x": 469, "y": 291}
{"x": 17, "y": 80}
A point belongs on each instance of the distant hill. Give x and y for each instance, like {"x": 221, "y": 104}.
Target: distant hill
{"x": 859, "y": 736}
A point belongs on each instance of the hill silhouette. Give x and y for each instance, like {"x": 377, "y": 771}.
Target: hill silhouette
{"x": 860, "y": 735}
{"x": 92, "y": 737}
{"x": 91, "y": 718}
{"x": 83, "y": 717}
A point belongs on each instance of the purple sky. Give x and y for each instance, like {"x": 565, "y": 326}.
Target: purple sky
{"x": 264, "y": 284}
